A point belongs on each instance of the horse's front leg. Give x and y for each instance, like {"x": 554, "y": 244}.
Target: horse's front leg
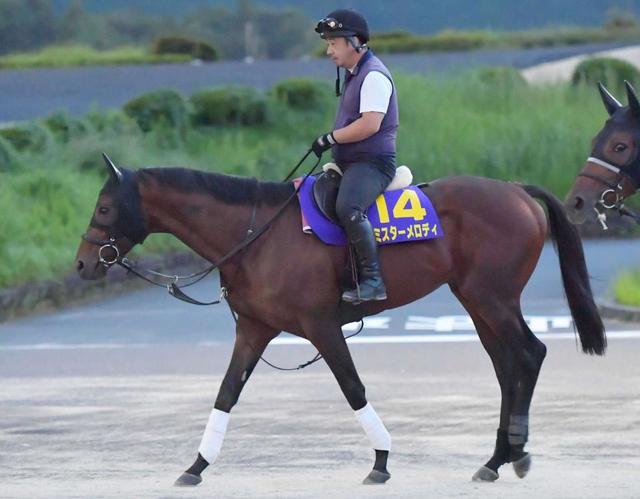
{"x": 252, "y": 338}
{"x": 327, "y": 337}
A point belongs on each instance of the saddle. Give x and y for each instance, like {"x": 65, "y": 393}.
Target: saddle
{"x": 326, "y": 185}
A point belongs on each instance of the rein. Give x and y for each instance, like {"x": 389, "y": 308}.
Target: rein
{"x": 614, "y": 188}
{"x": 176, "y": 291}
{"x": 172, "y": 287}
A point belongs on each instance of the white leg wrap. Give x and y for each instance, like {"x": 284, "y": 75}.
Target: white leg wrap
{"x": 374, "y": 428}
{"x": 213, "y": 435}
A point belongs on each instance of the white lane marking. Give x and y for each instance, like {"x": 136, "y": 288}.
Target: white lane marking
{"x": 449, "y": 323}
{"x": 370, "y": 323}
{"x": 358, "y": 340}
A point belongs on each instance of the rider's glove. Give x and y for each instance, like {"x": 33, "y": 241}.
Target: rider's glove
{"x": 323, "y": 143}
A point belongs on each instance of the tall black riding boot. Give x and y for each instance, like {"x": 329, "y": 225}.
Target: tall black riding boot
{"x": 371, "y": 286}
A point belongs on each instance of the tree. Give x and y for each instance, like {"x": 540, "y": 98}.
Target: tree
{"x": 25, "y": 24}
{"x": 72, "y": 21}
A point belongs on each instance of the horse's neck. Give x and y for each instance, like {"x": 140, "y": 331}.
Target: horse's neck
{"x": 208, "y": 226}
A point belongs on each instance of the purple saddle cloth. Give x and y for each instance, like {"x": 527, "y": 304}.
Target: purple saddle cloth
{"x": 398, "y": 216}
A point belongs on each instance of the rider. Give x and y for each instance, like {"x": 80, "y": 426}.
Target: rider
{"x": 363, "y": 140}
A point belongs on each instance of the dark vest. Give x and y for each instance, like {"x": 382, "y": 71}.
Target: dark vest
{"x": 383, "y": 142}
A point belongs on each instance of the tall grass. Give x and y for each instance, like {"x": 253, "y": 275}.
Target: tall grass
{"x": 449, "y": 126}
{"x": 465, "y": 126}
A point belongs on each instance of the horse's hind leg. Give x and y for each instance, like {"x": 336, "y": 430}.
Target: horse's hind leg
{"x": 327, "y": 337}
{"x": 517, "y": 356}
{"x": 534, "y": 354}
{"x": 251, "y": 340}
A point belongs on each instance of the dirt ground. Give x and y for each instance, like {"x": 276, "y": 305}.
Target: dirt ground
{"x": 293, "y": 435}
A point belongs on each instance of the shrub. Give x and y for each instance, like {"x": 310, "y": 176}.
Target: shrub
{"x": 182, "y": 45}
{"x": 302, "y": 93}
{"x": 65, "y": 127}
{"x": 160, "y": 106}
{"x": 611, "y": 72}
{"x": 26, "y": 137}
{"x": 8, "y": 156}
{"x": 230, "y": 106}
{"x": 112, "y": 122}
{"x": 501, "y": 76}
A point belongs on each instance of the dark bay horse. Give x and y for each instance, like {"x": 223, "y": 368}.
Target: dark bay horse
{"x": 289, "y": 281}
{"x": 612, "y": 171}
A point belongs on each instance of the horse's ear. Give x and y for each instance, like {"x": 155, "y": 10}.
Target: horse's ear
{"x": 633, "y": 99}
{"x": 113, "y": 169}
{"x": 610, "y": 102}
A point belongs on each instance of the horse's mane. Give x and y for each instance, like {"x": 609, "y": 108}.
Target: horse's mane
{"x": 229, "y": 189}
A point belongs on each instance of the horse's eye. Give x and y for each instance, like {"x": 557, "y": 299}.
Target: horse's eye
{"x": 620, "y": 147}
{"x": 103, "y": 210}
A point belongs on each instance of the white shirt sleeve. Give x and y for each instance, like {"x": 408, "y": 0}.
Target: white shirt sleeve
{"x": 375, "y": 93}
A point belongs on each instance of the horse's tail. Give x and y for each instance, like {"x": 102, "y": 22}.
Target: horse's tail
{"x": 574, "y": 273}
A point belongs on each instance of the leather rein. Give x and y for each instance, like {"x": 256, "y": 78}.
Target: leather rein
{"x": 174, "y": 290}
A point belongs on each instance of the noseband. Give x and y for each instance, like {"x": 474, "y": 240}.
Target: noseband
{"x": 104, "y": 245}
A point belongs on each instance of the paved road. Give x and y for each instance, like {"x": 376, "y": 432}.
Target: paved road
{"x": 31, "y": 93}
{"x": 128, "y": 330}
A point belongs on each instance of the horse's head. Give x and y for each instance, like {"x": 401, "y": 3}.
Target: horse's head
{"x": 612, "y": 171}
{"x": 117, "y": 224}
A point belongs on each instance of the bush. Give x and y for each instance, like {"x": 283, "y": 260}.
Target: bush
{"x": 112, "y": 122}
{"x": 500, "y": 76}
{"x": 160, "y": 106}
{"x": 448, "y": 40}
{"x": 186, "y": 46}
{"x": 8, "y": 157}
{"x": 230, "y": 106}
{"x": 302, "y": 93}
{"x": 611, "y": 72}
{"x": 65, "y": 127}
{"x": 28, "y": 137}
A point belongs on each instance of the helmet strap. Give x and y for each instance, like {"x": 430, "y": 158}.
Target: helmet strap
{"x": 359, "y": 47}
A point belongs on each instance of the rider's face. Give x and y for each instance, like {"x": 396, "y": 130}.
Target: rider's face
{"x": 341, "y": 52}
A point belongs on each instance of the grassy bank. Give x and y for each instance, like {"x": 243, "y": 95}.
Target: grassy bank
{"x": 627, "y": 289}
{"x": 389, "y": 42}
{"x": 457, "y": 40}
{"x": 82, "y": 55}
{"x": 464, "y": 125}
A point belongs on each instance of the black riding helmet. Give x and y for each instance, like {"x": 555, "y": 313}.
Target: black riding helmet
{"x": 343, "y": 23}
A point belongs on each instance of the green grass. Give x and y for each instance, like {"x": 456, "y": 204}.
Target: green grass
{"x": 456, "y": 40}
{"x": 82, "y": 55}
{"x": 448, "y": 126}
{"x": 627, "y": 288}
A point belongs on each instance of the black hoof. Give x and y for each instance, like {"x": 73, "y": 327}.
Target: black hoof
{"x": 522, "y": 466}
{"x": 485, "y": 474}
{"x": 188, "y": 480}
{"x": 376, "y": 477}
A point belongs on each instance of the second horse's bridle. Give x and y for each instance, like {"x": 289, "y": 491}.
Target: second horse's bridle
{"x": 615, "y": 188}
